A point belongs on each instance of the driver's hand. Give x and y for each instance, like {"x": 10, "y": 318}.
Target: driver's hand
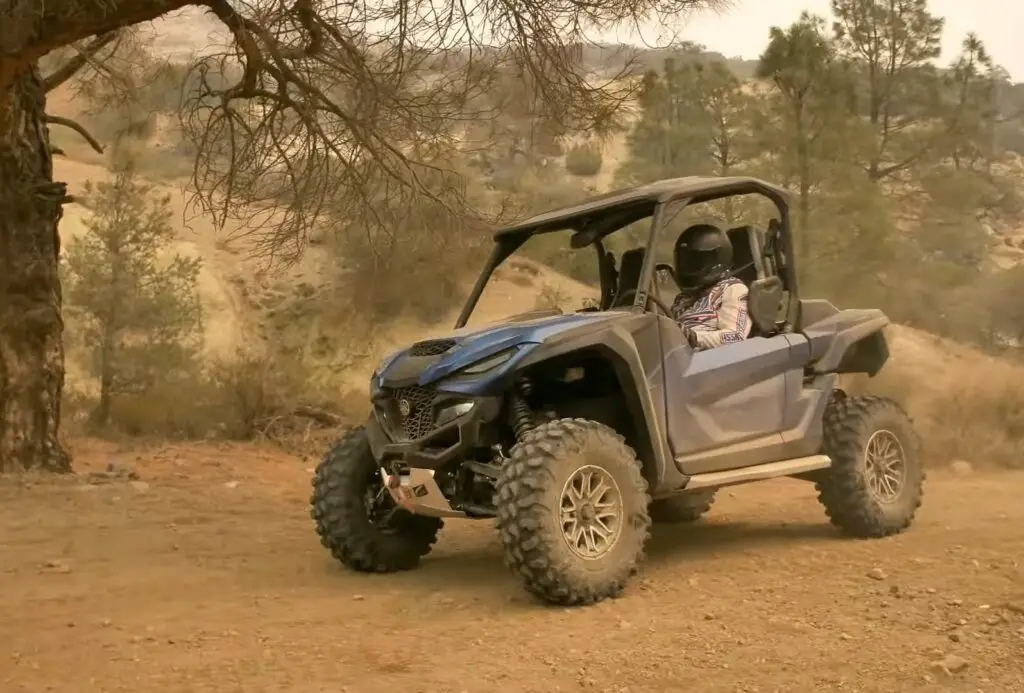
{"x": 690, "y": 336}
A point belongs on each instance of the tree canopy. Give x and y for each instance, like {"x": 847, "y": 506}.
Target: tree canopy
{"x": 315, "y": 109}
{"x": 334, "y": 105}
{"x": 894, "y": 160}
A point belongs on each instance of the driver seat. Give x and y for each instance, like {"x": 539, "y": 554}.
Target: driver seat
{"x": 630, "y": 265}
{"x": 746, "y": 251}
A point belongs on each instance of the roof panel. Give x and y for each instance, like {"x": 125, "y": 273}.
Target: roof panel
{"x": 689, "y": 186}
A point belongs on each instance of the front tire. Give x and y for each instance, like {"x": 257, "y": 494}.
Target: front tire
{"x": 683, "y": 509}
{"x": 572, "y": 511}
{"x": 355, "y": 517}
{"x": 876, "y": 481}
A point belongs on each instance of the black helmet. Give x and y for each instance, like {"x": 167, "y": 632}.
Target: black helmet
{"x": 703, "y": 256}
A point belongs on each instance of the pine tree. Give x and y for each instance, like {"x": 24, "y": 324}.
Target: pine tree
{"x": 695, "y": 119}
{"x": 132, "y": 302}
{"x": 801, "y": 64}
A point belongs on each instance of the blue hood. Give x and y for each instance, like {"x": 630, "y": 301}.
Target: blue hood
{"x": 473, "y": 344}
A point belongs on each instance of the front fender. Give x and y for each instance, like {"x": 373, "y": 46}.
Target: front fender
{"x": 618, "y": 343}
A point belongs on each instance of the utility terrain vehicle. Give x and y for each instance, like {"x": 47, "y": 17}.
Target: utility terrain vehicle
{"x": 575, "y": 430}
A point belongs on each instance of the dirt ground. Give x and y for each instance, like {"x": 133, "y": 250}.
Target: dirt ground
{"x": 206, "y": 575}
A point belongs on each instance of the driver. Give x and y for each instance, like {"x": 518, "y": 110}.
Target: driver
{"x": 712, "y": 304}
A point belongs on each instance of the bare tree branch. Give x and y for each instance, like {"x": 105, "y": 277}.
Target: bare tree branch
{"x": 77, "y": 127}
{"x": 31, "y": 29}
{"x": 82, "y": 58}
{"x": 341, "y": 113}
{"x": 321, "y": 416}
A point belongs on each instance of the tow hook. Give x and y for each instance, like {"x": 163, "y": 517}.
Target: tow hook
{"x": 400, "y": 475}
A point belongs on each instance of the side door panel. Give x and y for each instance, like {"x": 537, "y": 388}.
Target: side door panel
{"x": 725, "y": 407}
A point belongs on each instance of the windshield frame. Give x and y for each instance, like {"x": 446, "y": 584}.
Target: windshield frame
{"x": 506, "y": 244}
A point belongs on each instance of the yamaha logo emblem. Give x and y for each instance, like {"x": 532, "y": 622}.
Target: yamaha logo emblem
{"x": 404, "y": 408}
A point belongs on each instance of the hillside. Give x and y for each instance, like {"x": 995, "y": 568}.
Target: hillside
{"x": 514, "y": 289}
{"x": 228, "y": 274}
{"x": 236, "y": 290}
{"x": 923, "y": 369}
{"x": 193, "y": 31}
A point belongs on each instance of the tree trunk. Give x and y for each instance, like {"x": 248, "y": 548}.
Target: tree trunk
{"x": 31, "y": 328}
{"x": 803, "y": 235}
{"x": 101, "y": 416}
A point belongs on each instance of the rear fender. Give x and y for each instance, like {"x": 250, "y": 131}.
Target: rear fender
{"x": 844, "y": 341}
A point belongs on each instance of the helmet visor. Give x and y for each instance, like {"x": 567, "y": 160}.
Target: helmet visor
{"x": 695, "y": 263}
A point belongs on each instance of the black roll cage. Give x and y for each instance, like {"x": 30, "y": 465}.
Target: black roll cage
{"x": 607, "y": 220}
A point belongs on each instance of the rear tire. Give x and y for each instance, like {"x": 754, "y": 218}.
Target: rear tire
{"x": 345, "y": 482}
{"x": 572, "y": 511}
{"x": 876, "y": 481}
{"x": 683, "y": 509}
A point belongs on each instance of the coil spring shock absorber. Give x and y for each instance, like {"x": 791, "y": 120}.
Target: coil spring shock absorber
{"x": 522, "y": 417}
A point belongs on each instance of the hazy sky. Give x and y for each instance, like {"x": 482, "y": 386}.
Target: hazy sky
{"x": 743, "y": 30}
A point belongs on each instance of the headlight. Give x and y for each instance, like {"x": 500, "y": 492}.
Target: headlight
{"x": 450, "y": 413}
{"x": 489, "y": 363}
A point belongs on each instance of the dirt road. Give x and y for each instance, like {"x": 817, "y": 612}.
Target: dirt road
{"x": 207, "y": 576}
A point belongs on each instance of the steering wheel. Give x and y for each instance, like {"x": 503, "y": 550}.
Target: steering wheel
{"x": 652, "y": 298}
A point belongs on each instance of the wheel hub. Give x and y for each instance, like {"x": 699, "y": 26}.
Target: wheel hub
{"x": 591, "y": 512}
{"x": 885, "y": 466}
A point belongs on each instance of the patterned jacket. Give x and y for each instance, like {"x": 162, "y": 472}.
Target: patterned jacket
{"x": 717, "y": 316}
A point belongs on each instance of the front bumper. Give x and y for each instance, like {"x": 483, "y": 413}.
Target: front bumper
{"x": 440, "y": 446}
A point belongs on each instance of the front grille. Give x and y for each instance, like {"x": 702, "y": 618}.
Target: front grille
{"x": 433, "y": 347}
{"x": 413, "y": 409}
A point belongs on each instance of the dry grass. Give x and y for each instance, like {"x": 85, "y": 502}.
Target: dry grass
{"x": 966, "y": 405}
{"x": 552, "y": 297}
{"x": 255, "y": 395}
{"x": 978, "y": 417}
